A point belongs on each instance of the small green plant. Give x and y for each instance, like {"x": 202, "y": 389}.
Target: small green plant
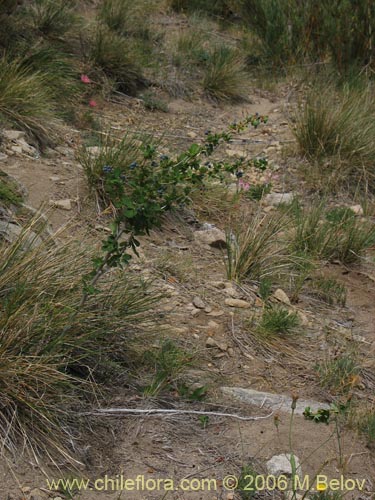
{"x": 169, "y": 361}
{"x": 153, "y": 103}
{"x": 225, "y": 78}
{"x": 328, "y": 290}
{"x": 320, "y": 416}
{"x": 265, "y": 288}
{"x": 246, "y": 483}
{"x": 277, "y": 320}
{"x": 258, "y": 191}
{"x": 340, "y": 374}
{"x": 186, "y": 392}
{"x": 204, "y": 421}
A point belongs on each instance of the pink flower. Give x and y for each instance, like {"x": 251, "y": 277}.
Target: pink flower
{"x": 245, "y": 186}
{"x": 93, "y": 103}
{"x": 85, "y": 79}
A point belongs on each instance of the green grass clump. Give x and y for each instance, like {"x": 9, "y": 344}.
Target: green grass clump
{"x": 278, "y": 320}
{"x": 53, "y": 344}
{"x": 114, "y": 55}
{"x": 26, "y": 100}
{"x": 126, "y": 17}
{"x": 331, "y": 235}
{"x": 334, "y": 130}
{"x": 339, "y": 374}
{"x": 210, "y": 7}
{"x": 255, "y": 250}
{"x": 52, "y": 18}
{"x": 328, "y": 290}
{"x": 9, "y": 192}
{"x": 225, "y": 78}
{"x": 153, "y": 103}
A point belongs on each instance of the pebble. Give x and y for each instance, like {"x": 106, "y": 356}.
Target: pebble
{"x": 198, "y": 302}
{"x": 237, "y": 303}
{"x": 281, "y": 296}
{"x": 63, "y": 204}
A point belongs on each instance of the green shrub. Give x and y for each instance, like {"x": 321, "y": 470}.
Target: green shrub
{"x": 210, "y": 7}
{"x": 367, "y": 426}
{"x": 278, "y": 320}
{"x": 225, "y": 78}
{"x": 26, "y": 100}
{"x": 116, "y": 58}
{"x": 9, "y": 191}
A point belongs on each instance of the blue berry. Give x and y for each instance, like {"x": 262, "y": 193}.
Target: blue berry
{"x": 107, "y": 169}
{"x": 133, "y": 165}
{"x": 239, "y": 175}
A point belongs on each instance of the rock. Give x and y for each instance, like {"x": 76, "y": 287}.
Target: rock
{"x": 192, "y": 135}
{"x": 258, "y": 302}
{"x": 55, "y": 178}
{"x": 279, "y": 465}
{"x": 63, "y": 204}
{"x": 275, "y": 199}
{"x": 357, "y": 209}
{"x": 231, "y": 352}
{"x": 14, "y": 135}
{"x": 237, "y": 303}
{"x": 198, "y": 303}
{"x": 195, "y": 312}
{"x": 210, "y": 342}
{"x": 213, "y": 237}
{"x": 207, "y": 309}
{"x": 231, "y": 292}
{"x": 281, "y": 296}
{"x": 213, "y": 325}
{"x": 37, "y": 494}
{"x": 235, "y": 153}
{"x": 12, "y": 232}
{"x": 26, "y": 148}
{"x": 17, "y": 149}
{"x": 3, "y": 156}
{"x": 304, "y": 320}
{"x": 70, "y": 152}
{"x": 216, "y": 313}
{"x": 276, "y": 402}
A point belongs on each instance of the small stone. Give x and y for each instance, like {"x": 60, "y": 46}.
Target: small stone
{"x": 213, "y": 237}
{"x": 198, "y": 303}
{"x": 258, "y": 302}
{"x": 216, "y": 313}
{"x": 195, "y": 312}
{"x": 281, "y": 296}
{"x": 280, "y": 465}
{"x": 219, "y": 284}
{"x": 237, "y": 303}
{"x": 231, "y": 352}
{"x": 213, "y": 325}
{"x": 92, "y": 151}
{"x": 26, "y": 148}
{"x": 357, "y": 209}
{"x": 210, "y": 342}
{"x": 63, "y": 204}
{"x": 231, "y": 292}
{"x": 303, "y": 318}
{"x": 37, "y": 494}
{"x": 14, "y": 135}
{"x": 3, "y": 156}
{"x": 207, "y": 309}
{"x": 191, "y": 134}
{"x": 17, "y": 149}
{"x": 54, "y": 178}
{"x": 26, "y": 489}
{"x": 275, "y": 199}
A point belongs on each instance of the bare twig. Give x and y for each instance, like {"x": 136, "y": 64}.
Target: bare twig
{"x": 163, "y": 412}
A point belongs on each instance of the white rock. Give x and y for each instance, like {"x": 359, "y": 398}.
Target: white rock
{"x": 192, "y": 135}
{"x": 26, "y": 148}
{"x": 14, "y": 135}
{"x": 357, "y": 209}
{"x": 237, "y": 303}
{"x": 281, "y": 296}
{"x": 275, "y": 199}
{"x": 11, "y": 232}
{"x": 213, "y": 237}
{"x": 216, "y": 313}
{"x": 63, "y": 204}
{"x": 280, "y": 465}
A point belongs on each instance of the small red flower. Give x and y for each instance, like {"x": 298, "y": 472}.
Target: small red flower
{"x": 93, "y": 103}
{"x": 85, "y": 79}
